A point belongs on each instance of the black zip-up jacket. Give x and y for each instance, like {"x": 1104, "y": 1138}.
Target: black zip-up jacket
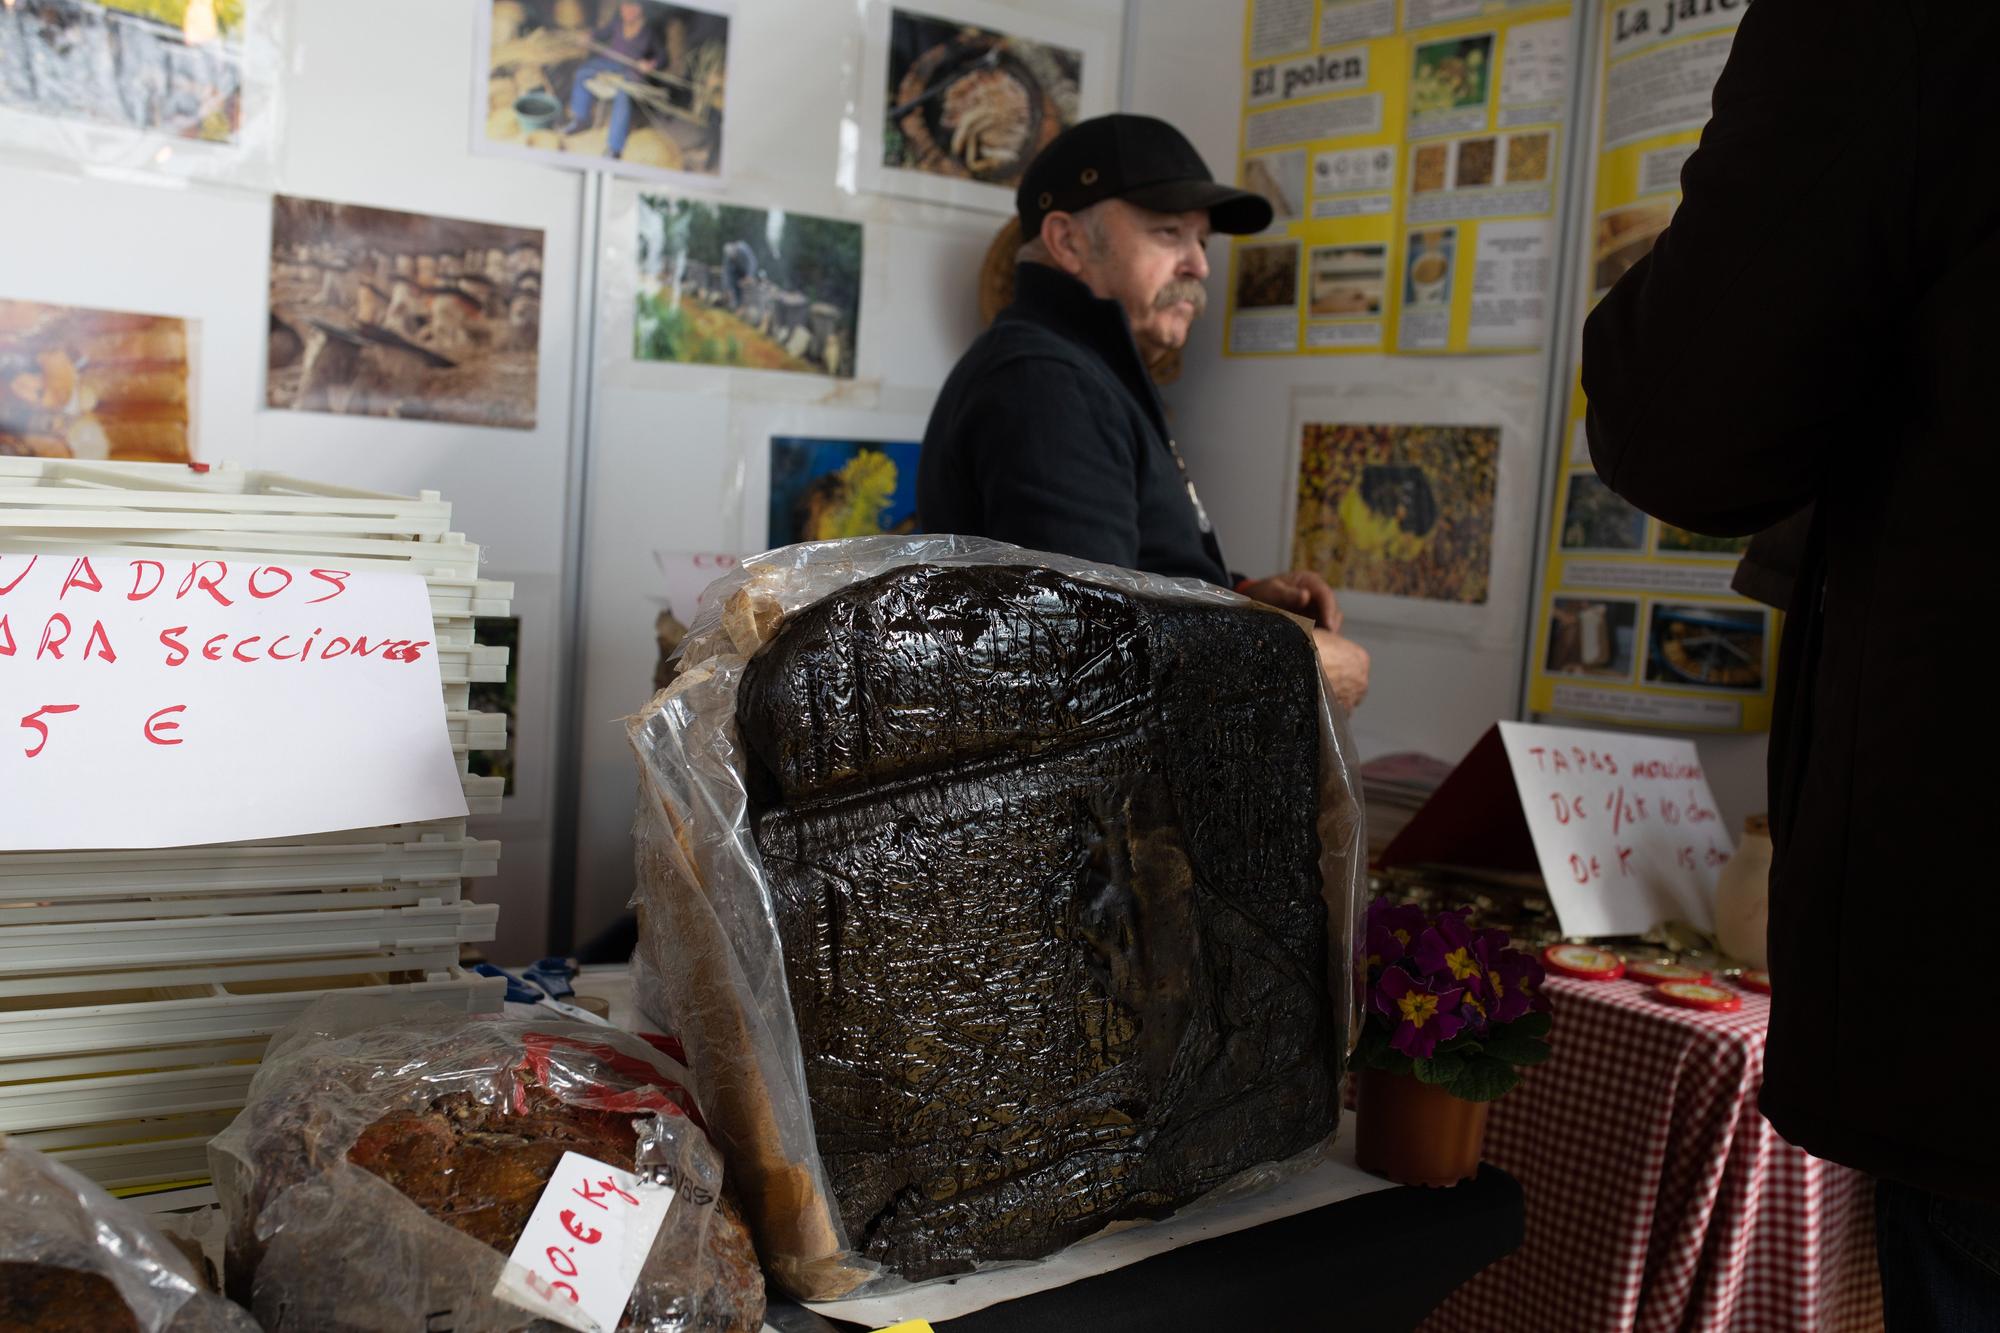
{"x": 1049, "y": 434}
{"x": 1817, "y": 327}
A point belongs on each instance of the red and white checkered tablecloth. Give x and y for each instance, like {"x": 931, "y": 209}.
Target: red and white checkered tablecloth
{"x": 1658, "y": 1198}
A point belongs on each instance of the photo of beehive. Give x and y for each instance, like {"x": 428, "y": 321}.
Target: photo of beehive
{"x": 764, "y": 289}
{"x": 1348, "y": 280}
{"x": 386, "y": 314}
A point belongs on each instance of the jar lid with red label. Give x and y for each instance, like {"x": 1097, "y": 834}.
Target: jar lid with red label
{"x": 1699, "y": 995}
{"x": 1756, "y": 980}
{"x": 1654, "y": 971}
{"x": 1583, "y": 962}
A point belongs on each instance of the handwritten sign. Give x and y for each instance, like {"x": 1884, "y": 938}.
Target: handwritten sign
{"x": 1624, "y": 826}
{"x": 686, "y": 575}
{"x": 169, "y": 702}
{"x": 580, "y": 1254}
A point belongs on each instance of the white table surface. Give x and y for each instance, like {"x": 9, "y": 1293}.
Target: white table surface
{"x": 1330, "y": 1181}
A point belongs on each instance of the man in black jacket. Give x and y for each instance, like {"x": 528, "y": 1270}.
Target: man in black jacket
{"x": 1817, "y": 328}
{"x": 1049, "y": 432}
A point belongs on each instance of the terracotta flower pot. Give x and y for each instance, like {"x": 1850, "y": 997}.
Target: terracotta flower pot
{"x": 1416, "y": 1134}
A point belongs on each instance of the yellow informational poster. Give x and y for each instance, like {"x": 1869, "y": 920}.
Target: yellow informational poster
{"x": 1410, "y": 157}
{"x": 1638, "y": 623}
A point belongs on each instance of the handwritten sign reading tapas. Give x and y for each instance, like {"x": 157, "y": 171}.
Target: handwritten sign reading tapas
{"x": 1624, "y": 826}
{"x": 162, "y": 703}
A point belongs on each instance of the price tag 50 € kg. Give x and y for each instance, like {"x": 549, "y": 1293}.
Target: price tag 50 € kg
{"x": 580, "y": 1254}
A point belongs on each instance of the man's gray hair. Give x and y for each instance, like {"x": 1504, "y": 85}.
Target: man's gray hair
{"x": 1092, "y": 218}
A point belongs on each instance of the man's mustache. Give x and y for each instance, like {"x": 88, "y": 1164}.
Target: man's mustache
{"x": 1182, "y": 289}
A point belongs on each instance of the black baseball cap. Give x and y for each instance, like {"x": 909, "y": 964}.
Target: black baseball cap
{"x": 1140, "y": 160}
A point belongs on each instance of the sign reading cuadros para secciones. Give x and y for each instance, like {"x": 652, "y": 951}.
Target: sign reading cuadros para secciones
{"x": 164, "y": 702}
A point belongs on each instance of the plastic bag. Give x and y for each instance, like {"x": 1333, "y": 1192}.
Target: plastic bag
{"x": 710, "y": 962}
{"x": 73, "y": 1257}
{"x": 179, "y": 88}
{"x": 362, "y": 1122}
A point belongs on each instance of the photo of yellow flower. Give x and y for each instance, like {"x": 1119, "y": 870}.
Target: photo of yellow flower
{"x": 823, "y": 490}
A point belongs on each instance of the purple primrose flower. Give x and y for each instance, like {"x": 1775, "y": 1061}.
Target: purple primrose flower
{"x": 1391, "y": 931}
{"x": 1449, "y": 947}
{"x": 1423, "y": 1014}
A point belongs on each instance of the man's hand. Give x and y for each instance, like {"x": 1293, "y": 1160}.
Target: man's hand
{"x": 1345, "y": 664}
{"x": 1301, "y": 592}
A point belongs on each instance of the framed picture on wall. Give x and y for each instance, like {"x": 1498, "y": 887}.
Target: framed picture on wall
{"x": 1401, "y": 510}
{"x": 957, "y": 97}
{"x": 385, "y": 314}
{"x": 755, "y": 288}
{"x": 827, "y": 489}
{"x": 80, "y": 383}
{"x": 76, "y": 61}
{"x": 635, "y": 87}
{"x": 1411, "y": 500}
{"x": 181, "y": 87}
{"x": 815, "y": 472}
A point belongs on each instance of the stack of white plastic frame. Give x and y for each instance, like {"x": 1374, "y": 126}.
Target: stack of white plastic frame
{"x": 137, "y": 988}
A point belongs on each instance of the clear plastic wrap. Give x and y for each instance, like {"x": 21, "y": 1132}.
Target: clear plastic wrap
{"x": 365, "y": 1127}
{"x": 73, "y": 1257}
{"x": 186, "y": 88}
{"x": 711, "y": 964}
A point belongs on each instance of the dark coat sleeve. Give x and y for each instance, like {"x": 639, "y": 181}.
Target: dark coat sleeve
{"x": 1769, "y": 570}
{"x": 1054, "y": 461}
{"x": 1720, "y": 366}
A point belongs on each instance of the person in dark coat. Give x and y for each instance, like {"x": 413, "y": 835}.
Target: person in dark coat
{"x": 1049, "y": 433}
{"x": 1817, "y": 328}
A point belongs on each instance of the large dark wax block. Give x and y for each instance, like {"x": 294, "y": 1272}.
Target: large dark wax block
{"x": 1046, "y": 873}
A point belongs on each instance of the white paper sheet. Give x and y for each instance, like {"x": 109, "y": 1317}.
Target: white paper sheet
{"x": 581, "y": 1252}
{"x": 178, "y": 702}
{"x": 1625, "y": 827}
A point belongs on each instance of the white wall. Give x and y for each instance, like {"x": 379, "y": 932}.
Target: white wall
{"x": 376, "y": 106}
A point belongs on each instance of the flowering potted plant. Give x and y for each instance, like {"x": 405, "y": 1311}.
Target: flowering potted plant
{"x": 1451, "y": 1016}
